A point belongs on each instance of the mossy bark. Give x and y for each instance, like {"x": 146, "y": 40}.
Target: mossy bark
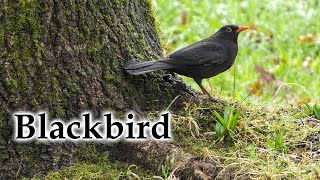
{"x": 64, "y": 57}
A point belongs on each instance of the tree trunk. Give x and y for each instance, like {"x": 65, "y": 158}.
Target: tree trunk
{"x": 64, "y": 57}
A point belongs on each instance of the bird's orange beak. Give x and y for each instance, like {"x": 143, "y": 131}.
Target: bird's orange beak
{"x": 242, "y": 28}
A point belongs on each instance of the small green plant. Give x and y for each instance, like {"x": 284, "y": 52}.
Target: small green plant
{"x": 129, "y": 174}
{"x": 165, "y": 172}
{"x": 252, "y": 151}
{"x": 315, "y": 110}
{"x": 277, "y": 143}
{"x": 225, "y": 127}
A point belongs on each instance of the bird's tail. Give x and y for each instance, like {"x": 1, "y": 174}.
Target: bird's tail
{"x": 137, "y": 68}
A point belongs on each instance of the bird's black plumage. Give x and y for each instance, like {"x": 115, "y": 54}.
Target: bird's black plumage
{"x": 203, "y": 59}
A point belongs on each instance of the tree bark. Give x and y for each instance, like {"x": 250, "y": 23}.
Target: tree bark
{"x": 64, "y": 57}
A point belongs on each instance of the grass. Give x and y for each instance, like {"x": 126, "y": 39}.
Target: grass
{"x": 275, "y": 44}
{"x": 314, "y": 110}
{"x": 269, "y": 143}
{"x": 226, "y": 126}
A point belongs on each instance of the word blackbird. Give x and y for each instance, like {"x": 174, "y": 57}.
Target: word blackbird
{"x": 201, "y": 60}
{"x": 30, "y": 126}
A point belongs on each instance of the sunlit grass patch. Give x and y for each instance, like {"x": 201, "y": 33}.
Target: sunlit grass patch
{"x": 269, "y": 143}
{"x": 285, "y": 41}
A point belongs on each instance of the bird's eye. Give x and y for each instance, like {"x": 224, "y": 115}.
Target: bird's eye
{"x": 229, "y": 29}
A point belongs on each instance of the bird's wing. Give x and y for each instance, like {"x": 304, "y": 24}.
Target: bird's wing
{"x": 201, "y": 53}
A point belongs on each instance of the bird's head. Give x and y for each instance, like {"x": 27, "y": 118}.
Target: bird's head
{"x": 230, "y": 32}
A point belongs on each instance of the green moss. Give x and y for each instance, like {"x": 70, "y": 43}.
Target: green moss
{"x": 106, "y": 170}
{"x": 1, "y": 38}
{"x": 28, "y": 18}
{"x": 95, "y": 49}
{"x": 56, "y": 95}
{"x": 21, "y": 75}
{"x": 92, "y": 164}
{"x": 26, "y": 25}
{"x": 151, "y": 14}
{"x": 12, "y": 85}
{"x": 2, "y": 122}
{"x": 109, "y": 77}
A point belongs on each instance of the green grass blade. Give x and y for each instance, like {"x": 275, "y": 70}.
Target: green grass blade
{"x": 219, "y": 130}
{"x": 221, "y": 120}
{"x": 226, "y": 114}
{"x": 316, "y": 111}
{"x": 235, "y": 121}
{"x": 309, "y": 107}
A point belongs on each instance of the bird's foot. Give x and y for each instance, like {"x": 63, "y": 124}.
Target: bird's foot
{"x": 206, "y": 97}
{"x": 214, "y": 99}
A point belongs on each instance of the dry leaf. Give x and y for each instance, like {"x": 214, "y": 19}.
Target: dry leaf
{"x": 302, "y": 102}
{"x": 266, "y": 78}
{"x": 307, "y": 38}
{"x": 264, "y": 74}
{"x": 255, "y": 88}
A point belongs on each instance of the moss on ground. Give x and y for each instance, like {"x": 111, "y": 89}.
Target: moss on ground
{"x": 102, "y": 169}
{"x": 92, "y": 164}
{"x": 252, "y": 154}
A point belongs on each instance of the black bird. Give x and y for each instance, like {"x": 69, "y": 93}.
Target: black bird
{"x": 203, "y": 59}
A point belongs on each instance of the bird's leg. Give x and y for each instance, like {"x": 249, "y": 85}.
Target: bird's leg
{"x": 204, "y": 90}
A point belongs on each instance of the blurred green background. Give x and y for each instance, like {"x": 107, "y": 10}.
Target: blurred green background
{"x": 284, "y": 42}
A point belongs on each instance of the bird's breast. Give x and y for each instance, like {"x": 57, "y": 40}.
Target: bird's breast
{"x": 231, "y": 50}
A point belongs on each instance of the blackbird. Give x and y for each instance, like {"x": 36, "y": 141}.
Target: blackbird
{"x": 203, "y": 59}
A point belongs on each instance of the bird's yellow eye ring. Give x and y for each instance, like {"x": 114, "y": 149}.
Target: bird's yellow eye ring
{"x": 229, "y": 29}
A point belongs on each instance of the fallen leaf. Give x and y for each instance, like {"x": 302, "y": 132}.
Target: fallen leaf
{"x": 307, "y": 38}
{"x": 295, "y": 101}
{"x": 264, "y": 74}
{"x": 256, "y": 88}
{"x": 265, "y": 80}
{"x": 302, "y": 102}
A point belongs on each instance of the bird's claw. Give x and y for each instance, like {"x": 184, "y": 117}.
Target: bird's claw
{"x": 214, "y": 99}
